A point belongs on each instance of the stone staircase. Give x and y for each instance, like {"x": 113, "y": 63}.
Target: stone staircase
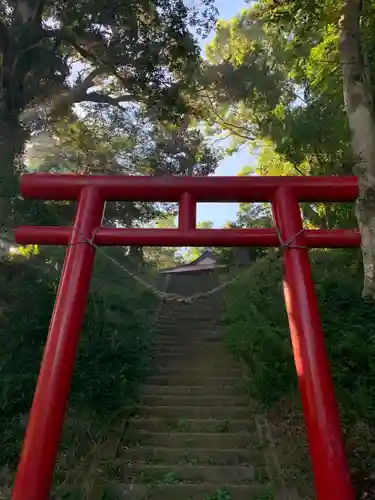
{"x": 194, "y": 435}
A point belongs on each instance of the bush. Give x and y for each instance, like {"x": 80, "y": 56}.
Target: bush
{"x": 113, "y": 357}
{"x": 257, "y": 332}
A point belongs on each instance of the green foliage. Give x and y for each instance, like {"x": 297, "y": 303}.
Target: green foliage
{"x": 258, "y": 333}
{"x": 132, "y": 64}
{"x": 113, "y": 357}
{"x": 258, "y": 330}
{"x": 273, "y": 81}
{"x": 220, "y": 494}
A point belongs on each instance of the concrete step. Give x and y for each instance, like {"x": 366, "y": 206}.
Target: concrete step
{"x": 191, "y": 400}
{"x": 227, "y": 413}
{"x": 215, "y": 474}
{"x": 195, "y": 425}
{"x": 185, "y": 390}
{"x": 192, "y": 456}
{"x": 195, "y": 492}
{"x": 188, "y": 440}
{"x": 192, "y": 379}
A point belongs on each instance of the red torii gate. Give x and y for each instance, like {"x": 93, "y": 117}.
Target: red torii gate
{"x": 40, "y": 447}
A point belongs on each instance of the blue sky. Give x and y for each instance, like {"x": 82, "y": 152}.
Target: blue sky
{"x": 219, "y": 213}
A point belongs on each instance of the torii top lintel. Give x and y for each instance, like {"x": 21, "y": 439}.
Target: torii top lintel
{"x": 201, "y": 189}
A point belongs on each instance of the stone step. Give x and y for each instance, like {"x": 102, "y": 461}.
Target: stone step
{"x": 187, "y": 440}
{"x": 227, "y": 413}
{"x": 195, "y": 425}
{"x": 192, "y": 456}
{"x": 202, "y": 371}
{"x": 191, "y": 361}
{"x": 184, "y": 337}
{"x": 190, "y": 345}
{"x": 209, "y": 313}
{"x": 192, "y": 379}
{"x": 201, "y": 312}
{"x": 191, "y": 400}
{"x": 193, "y": 364}
{"x": 200, "y": 305}
{"x": 196, "y": 312}
{"x": 185, "y": 328}
{"x": 181, "y": 333}
{"x": 179, "y": 344}
{"x": 195, "y": 492}
{"x": 184, "y": 390}
{"x": 176, "y": 349}
{"x": 190, "y": 322}
{"x": 193, "y": 325}
{"x": 201, "y": 315}
{"x": 192, "y": 354}
{"x": 215, "y": 474}
{"x": 184, "y": 340}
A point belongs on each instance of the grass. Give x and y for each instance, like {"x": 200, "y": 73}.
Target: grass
{"x": 257, "y": 332}
{"x": 113, "y": 358}
{"x": 220, "y": 494}
{"x": 223, "y": 426}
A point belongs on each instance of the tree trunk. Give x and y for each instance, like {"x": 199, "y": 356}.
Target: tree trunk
{"x": 136, "y": 255}
{"x": 12, "y": 143}
{"x": 359, "y": 108}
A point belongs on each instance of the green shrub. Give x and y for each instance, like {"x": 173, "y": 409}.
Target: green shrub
{"x": 112, "y": 359}
{"x": 257, "y": 332}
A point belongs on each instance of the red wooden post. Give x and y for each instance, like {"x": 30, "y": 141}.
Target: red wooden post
{"x": 35, "y": 470}
{"x": 331, "y": 474}
{"x": 187, "y": 216}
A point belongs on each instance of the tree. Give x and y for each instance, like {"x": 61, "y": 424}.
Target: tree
{"x": 112, "y": 145}
{"x": 359, "y": 104}
{"x": 133, "y": 55}
{"x": 192, "y": 253}
{"x": 163, "y": 257}
{"x": 298, "y": 75}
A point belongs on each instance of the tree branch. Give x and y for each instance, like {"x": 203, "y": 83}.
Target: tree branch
{"x": 38, "y": 11}
{"x": 90, "y": 55}
{"x": 231, "y": 126}
{"x": 97, "y": 97}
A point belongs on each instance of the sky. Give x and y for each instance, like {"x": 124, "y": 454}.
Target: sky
{"x": 219, "y": 213}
